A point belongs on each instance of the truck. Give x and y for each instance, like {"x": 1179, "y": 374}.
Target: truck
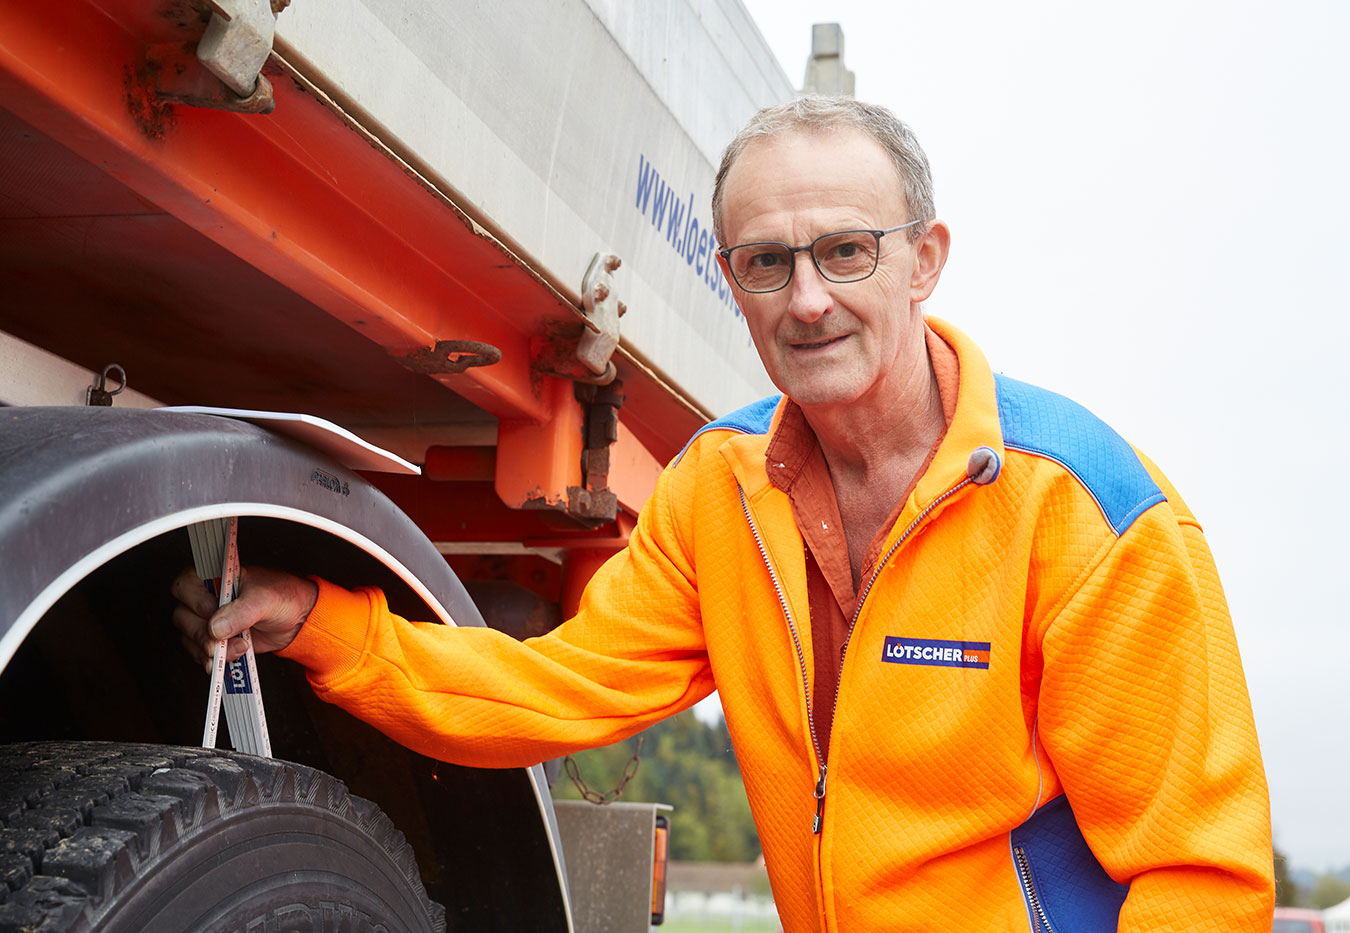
{"x": 465, "y": 251}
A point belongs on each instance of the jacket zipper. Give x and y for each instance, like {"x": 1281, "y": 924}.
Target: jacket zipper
{"x": 819, "y": 790}
{"x": 801, "y": 661}
{"x": 1038, "y": 918}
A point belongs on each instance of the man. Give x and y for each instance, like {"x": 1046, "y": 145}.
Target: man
{"x": 972, "y": 648}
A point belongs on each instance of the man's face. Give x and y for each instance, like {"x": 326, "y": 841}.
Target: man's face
{"x": 825, "y": 343}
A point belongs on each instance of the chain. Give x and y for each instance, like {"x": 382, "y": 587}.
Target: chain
{"x": 630, "y": 769}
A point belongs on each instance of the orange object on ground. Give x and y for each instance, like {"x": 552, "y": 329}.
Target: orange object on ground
{"x": 1045, "y": 629}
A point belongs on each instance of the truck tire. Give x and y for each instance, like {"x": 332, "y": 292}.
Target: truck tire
{"x": 93, "y": 503}
{"x": 122, "y": 837}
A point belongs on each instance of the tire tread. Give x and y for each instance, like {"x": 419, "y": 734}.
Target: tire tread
{"x": 80, "y": 820}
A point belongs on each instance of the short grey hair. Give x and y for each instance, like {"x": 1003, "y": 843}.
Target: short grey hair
{"x": 813, "y": 114}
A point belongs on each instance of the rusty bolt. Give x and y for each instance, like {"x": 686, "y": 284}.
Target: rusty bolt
{"x": 613, "y": 262}
{"x": 601, "y": 292}
{"x": 623, "y": 309}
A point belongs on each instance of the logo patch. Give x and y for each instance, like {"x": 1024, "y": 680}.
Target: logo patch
{"x": 236, "y": 677}
{"x": 932, "y": 652}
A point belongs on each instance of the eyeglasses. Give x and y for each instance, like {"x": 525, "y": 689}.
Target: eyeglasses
{"x": 846, "y": 256}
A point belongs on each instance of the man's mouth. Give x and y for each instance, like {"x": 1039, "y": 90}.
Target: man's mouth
{"x": 815, "y": 344}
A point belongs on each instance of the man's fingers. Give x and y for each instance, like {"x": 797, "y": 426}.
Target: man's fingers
{"x": 254, "y": 604}
{"x": 189, "y": 590}
{"x": 192, "y": 627}
{"x": 205, "y": 652}
{"x": 196, "y": 648}
{"x": 229, "y": 621}
{"x": 276, "y": 603}
{"x": 188, "y": 621}
{"x": 235, "y": 648}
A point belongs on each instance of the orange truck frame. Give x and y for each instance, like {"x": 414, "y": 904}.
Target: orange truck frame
{"x": 478, "y": 240}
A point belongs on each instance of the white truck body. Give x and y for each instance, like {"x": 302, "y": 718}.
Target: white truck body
{"x": 569, "y": 128}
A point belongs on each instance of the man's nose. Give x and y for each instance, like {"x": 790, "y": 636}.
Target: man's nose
{"x": 808, "y": 292}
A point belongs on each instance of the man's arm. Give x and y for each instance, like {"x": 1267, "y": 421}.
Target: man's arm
{"x": 1145, "y": 713}
{"x": 633, "y": 655}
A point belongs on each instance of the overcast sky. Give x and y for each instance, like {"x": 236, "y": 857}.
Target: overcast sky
{"x": 1149, "y": 205}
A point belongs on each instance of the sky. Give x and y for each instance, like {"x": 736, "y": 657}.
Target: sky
{"x": 1150, "y": 206}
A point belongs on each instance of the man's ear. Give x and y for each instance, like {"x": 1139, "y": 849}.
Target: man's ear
{"x": 930, "y": 255}
{"x": 726, "y": 274}
{"x": 726, "y": 269}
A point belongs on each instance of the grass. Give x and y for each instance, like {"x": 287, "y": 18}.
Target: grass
{"x": 716, "y": 925}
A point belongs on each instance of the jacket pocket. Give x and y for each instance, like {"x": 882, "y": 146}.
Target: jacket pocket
{"x": 1065, "y": 888}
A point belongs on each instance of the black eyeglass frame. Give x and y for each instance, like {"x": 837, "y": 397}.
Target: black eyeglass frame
{"x": 809, "y": 249}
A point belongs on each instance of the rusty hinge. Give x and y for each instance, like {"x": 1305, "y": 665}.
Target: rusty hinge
{"x": 237, "y": 41}
{"x": 225, "y": 73}
{"x": 582, "y": 352}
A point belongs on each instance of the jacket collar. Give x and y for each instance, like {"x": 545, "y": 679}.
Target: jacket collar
{"x": 975, "y": 425}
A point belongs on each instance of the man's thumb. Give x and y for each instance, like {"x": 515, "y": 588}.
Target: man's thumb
{"x": 231, "y": 619}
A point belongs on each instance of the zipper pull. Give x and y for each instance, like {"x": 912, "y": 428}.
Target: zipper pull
{"x": 820, "y": 803}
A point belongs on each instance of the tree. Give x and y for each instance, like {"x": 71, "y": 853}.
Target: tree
{"x": 1329, "y": 891}
{"x": 1286, "y": 891}
{"x": 691, "y": 766}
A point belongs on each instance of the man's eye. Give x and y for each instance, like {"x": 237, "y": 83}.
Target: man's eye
{"x": 765, "y": 260}
{"x": 843, "y": 252}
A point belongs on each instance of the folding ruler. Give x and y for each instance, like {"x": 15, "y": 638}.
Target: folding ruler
{"x": 215, "y": 553}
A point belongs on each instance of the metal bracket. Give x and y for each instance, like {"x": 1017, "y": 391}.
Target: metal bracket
{"x": 595, "y": 503}
{"x": 178, "y": 78}
{"x": 237, "y": 42}
{"x": 604, "y": 310}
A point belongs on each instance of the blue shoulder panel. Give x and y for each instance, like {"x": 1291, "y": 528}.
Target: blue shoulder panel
{"x": 1040, "y": 422}
{"x": 1059, "y": 874}
{"x": 752, "y": 419}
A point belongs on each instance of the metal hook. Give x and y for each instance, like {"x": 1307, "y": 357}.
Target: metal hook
{"x": 99, "y": 395}
{"x": 452, "y": 356}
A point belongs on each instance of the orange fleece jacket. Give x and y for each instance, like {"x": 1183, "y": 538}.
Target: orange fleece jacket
{"x": 1049, "y": 633}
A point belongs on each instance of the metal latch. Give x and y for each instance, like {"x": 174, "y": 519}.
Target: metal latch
{"x": 238, "y": 40}
{"x": 603, "y": 309}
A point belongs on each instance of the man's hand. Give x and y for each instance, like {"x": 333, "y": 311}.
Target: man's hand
{"x": 271, "y": 603}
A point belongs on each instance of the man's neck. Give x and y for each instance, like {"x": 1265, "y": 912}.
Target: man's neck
{"x": 894, "y": 425}
{"x": 875, "y": 446}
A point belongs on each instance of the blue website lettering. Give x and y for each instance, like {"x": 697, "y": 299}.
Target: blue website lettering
{"x": 690, "y": 237}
